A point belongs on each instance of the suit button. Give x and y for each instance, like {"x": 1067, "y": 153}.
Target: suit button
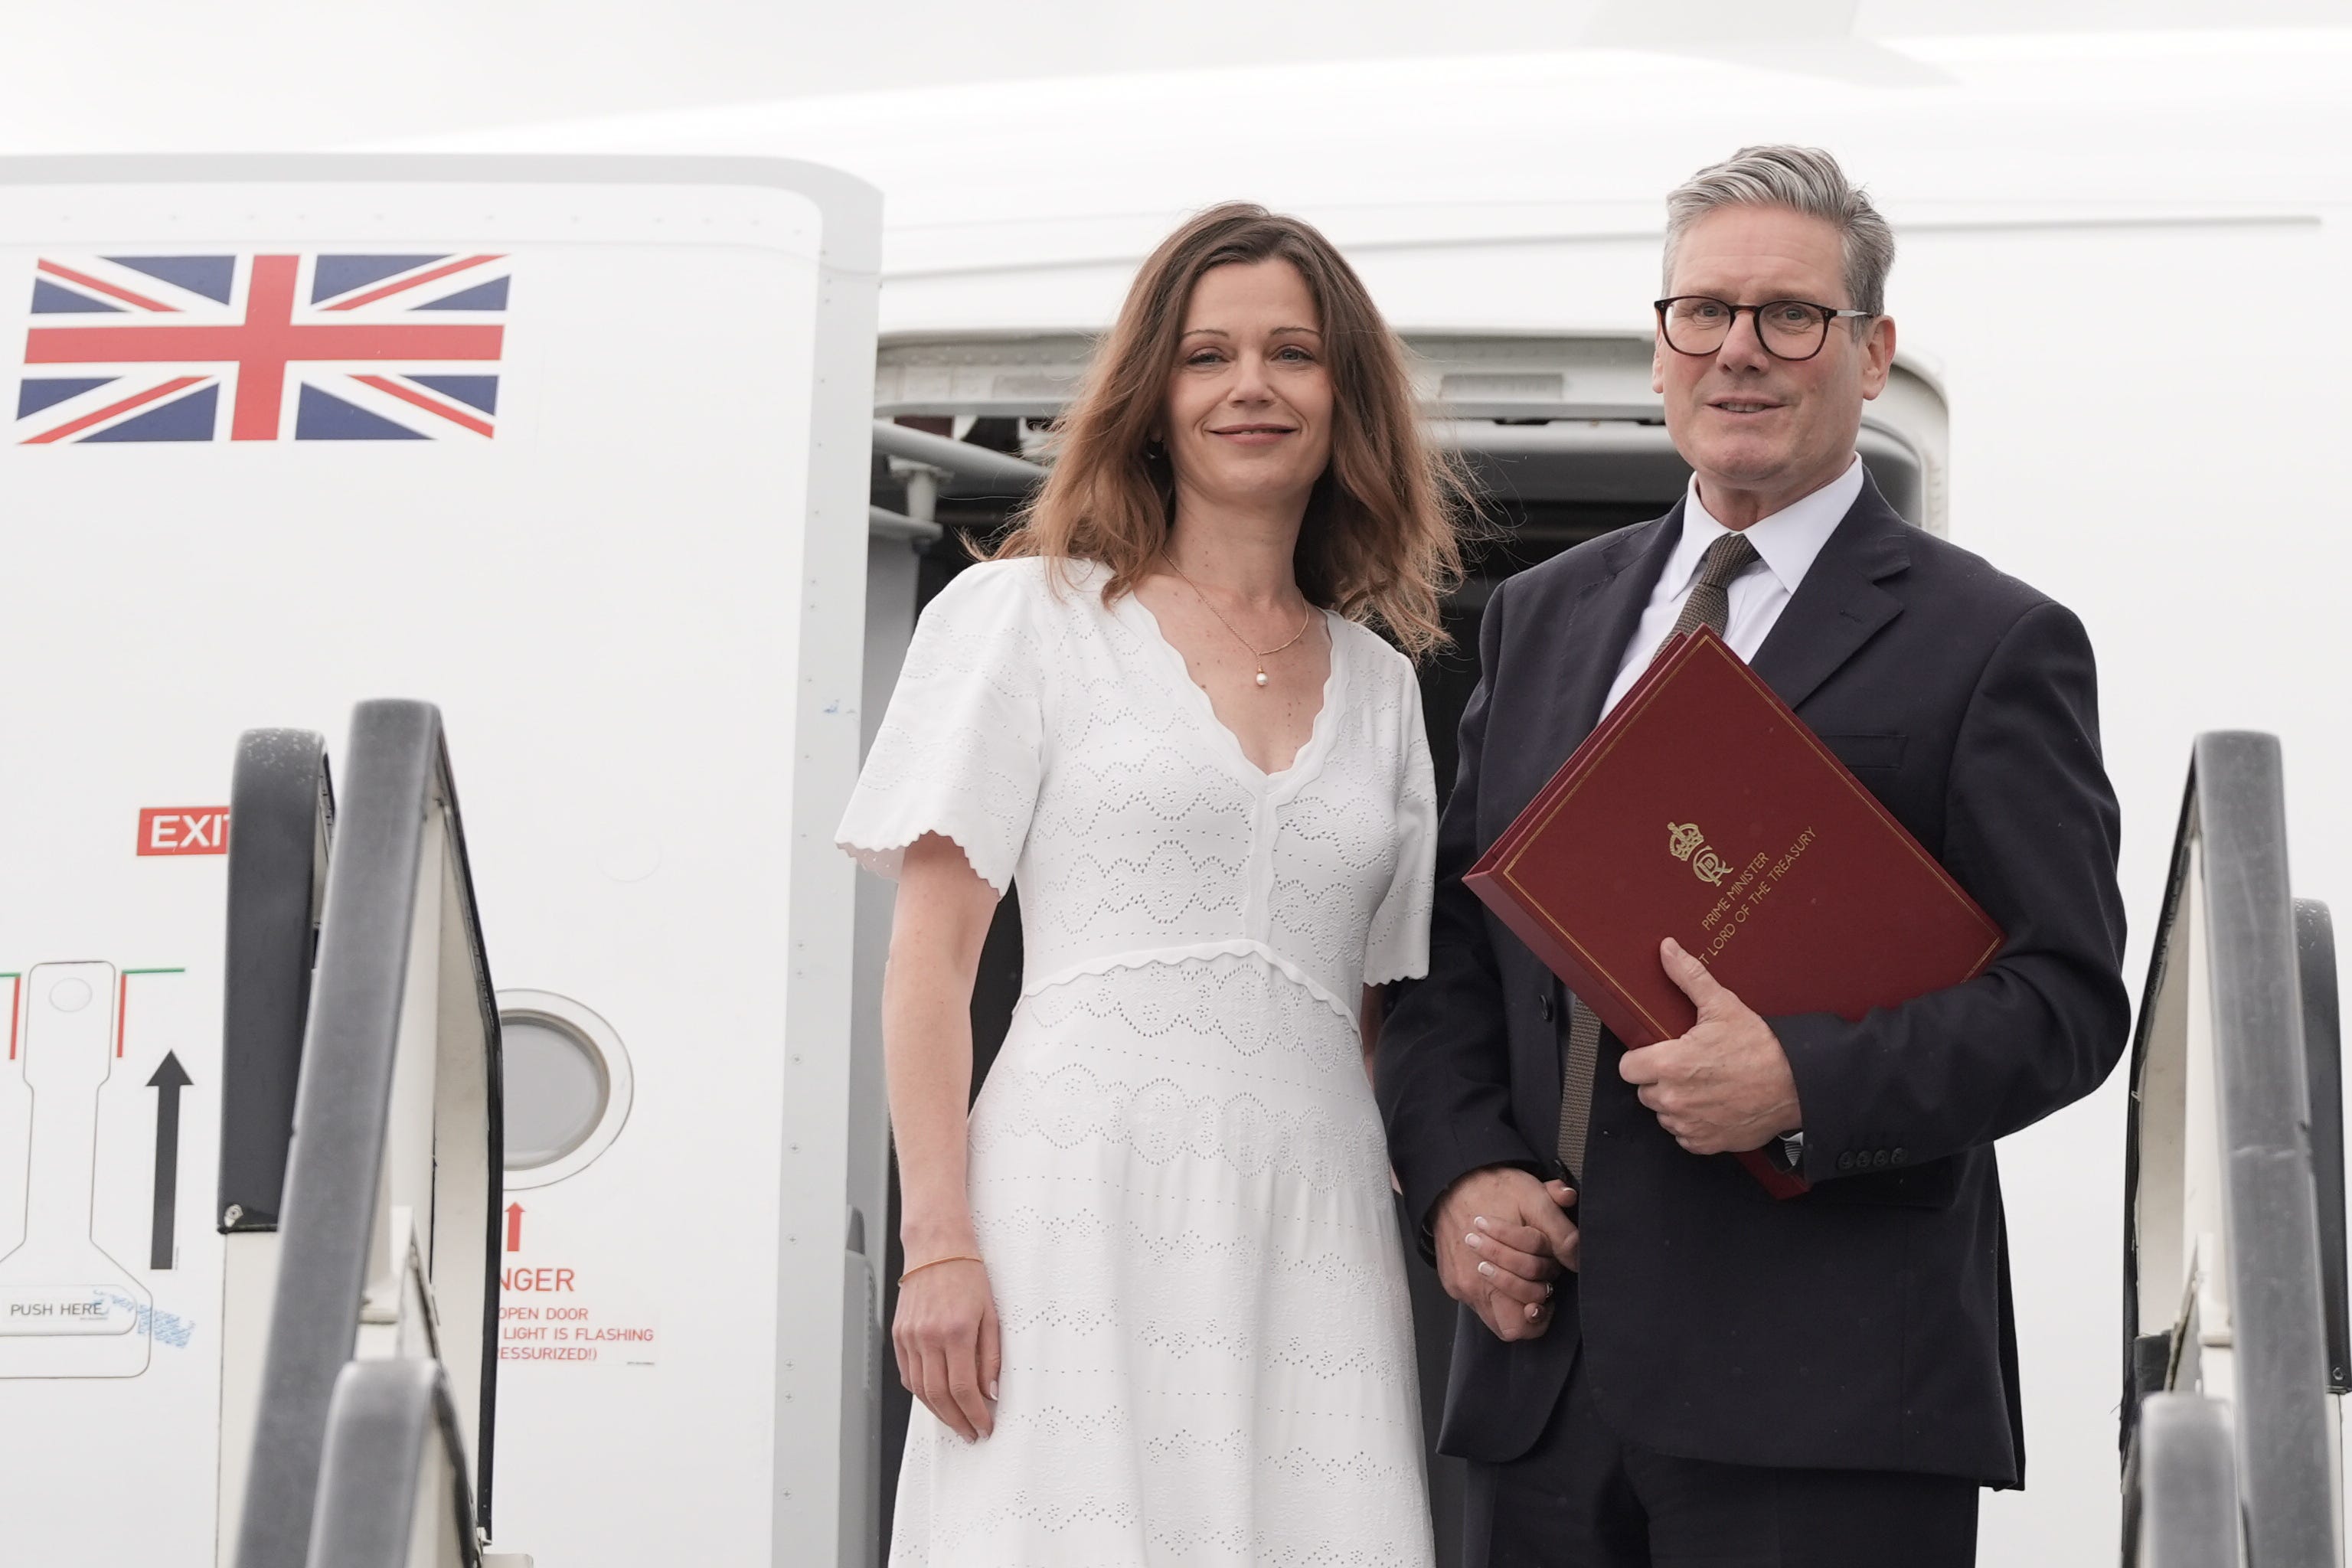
{"x": 1901, "y": 1156}
{"x": 1880, "y": 1160}
{"x": 1543, "y": 1006}
{"x": 1845, "y": 1160}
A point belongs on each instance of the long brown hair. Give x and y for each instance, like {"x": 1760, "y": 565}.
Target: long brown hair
{"x": 1379, "y": 541}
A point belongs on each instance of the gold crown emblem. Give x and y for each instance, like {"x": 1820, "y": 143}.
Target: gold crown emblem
{"x": 1682, "y": 838}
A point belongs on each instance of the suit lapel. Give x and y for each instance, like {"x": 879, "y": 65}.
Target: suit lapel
{"x": 1600, "y": 622}
{"x": 1838, "y": 607}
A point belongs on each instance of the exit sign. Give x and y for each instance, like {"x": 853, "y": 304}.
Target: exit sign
{"x": 184, "y": 831}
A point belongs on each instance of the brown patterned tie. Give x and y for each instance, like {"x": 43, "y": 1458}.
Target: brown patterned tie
{"x": 1709, "y": 604}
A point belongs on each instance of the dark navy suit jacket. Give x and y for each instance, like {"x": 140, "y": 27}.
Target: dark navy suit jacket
{"x": 1866, "y": 1325}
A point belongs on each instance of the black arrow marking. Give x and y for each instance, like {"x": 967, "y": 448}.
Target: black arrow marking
{"x": 170, "y": 1079}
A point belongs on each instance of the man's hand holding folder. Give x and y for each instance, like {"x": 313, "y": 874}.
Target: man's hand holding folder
{"x": 1703, "y": 863}
{"x": 1723, "y": 1086}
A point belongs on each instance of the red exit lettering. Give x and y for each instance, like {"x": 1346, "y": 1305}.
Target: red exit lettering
{"x": 184, "y": 831}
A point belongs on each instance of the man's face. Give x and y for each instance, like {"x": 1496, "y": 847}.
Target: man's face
{"x": 1762, "y": 431}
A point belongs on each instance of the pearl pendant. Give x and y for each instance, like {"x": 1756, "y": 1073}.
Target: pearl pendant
{"x": 1261, "y": 677}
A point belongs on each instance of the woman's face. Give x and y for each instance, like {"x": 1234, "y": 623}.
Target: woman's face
{"x": 1248, "y": 419}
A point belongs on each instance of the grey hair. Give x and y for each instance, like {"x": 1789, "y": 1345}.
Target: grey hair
{"x": 1802, "y": 179}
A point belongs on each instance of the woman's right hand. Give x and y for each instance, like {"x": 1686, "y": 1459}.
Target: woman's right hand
{"x": 945, "y": 1329}
{"x": 950, "y": 1352}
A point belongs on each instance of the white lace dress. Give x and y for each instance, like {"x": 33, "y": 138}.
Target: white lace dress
{"x": 1177, "y": 1176}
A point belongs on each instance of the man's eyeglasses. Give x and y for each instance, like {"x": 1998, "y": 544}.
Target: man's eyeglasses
{"x": 1788, "y": 329}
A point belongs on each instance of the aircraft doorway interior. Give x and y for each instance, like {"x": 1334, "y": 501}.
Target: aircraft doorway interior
{"x": 1549, "y": 474}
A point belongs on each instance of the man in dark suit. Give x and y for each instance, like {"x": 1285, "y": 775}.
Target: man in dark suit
{"x": 1663, "y": 1364}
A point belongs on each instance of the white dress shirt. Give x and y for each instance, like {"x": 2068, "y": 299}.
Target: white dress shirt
{"x": 1787, "y": 542}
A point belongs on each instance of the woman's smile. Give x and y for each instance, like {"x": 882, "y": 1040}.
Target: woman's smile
{"x": 1257, "y": 434}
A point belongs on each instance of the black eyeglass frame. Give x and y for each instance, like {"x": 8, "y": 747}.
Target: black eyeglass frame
{"x": 1828, "y": 314}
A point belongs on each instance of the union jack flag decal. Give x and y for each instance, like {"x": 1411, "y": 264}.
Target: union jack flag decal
{"x": 273, "y": 347}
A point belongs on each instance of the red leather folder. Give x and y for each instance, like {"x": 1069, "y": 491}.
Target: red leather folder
{"x": 1704, "y": 809}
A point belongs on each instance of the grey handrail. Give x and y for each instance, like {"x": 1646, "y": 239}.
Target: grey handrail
{"x": 388, "y": 1423}
{"x": 282, "y": 822}
{"x": 2219, "y": 1052}
{"x": 2182, "y": 1511}
{"x": 2323, "y": 1047}
{"x": 396, "y": 784}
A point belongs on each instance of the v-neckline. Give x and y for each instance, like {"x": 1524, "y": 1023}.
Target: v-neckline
{"x": 1309, "y": 752}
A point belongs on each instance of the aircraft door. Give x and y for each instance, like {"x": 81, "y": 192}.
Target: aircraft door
{"x": 577, "y": 450}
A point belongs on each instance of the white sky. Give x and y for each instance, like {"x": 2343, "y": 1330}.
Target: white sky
{"x": 284, "y": 75}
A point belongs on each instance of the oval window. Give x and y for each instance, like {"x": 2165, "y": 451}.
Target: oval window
{"x": 567, "y": 1086}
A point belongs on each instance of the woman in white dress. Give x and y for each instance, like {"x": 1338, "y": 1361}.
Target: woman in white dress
{"x": 1154, "y": 1307}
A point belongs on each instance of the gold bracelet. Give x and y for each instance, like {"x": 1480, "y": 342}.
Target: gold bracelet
{"x": 934, "y": 1263}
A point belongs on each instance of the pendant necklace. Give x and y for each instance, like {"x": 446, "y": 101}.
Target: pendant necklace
{"x": 1260, "y": 655}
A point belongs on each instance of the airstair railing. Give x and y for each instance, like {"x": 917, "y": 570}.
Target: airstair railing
{"x": 2183, "y": 1511}
{"x": 2226, "y": 1323}
{"x": 393, "y": 1439}
{"x": 282, "y": 807}
{"x": 389, "y": 1232}
{"x": 2323, "y": 1047}
{"x": 282, "y": 821}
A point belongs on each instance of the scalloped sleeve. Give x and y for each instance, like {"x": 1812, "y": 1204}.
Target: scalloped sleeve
{"x": 959, "y": 749}
{"x": 1396, "y": 946}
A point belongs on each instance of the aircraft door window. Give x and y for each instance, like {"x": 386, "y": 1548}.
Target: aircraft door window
{"x": 568, "y": 1086}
